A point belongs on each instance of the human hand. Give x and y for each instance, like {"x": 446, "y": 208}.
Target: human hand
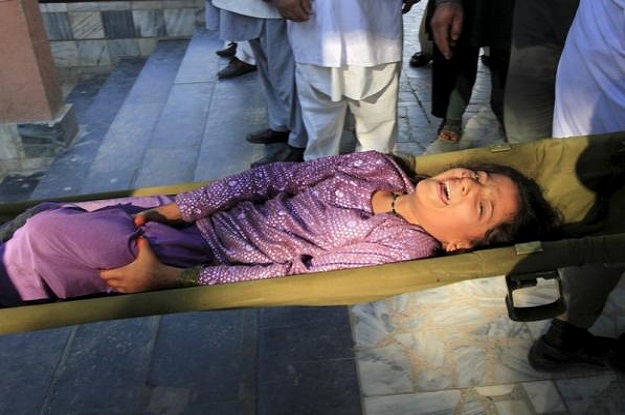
{"x": 446, "y": 26}
{"x": 168, "y": 213}
{"x": 296, "y": 10}
{"x": 405, "y": 8}
{"x": 145, "y": 273}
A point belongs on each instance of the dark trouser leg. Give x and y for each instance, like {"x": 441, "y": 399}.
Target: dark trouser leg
{"x": 538, "y": 35}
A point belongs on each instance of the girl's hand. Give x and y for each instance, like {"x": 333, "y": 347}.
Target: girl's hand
{"x": 145, "y": 273}
{"x": 168, "y": 213}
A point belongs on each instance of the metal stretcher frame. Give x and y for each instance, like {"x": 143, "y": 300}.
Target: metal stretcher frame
{"x": 582, "y": 176}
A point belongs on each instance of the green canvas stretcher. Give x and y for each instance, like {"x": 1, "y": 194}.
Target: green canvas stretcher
{"x": 582, "y": 176}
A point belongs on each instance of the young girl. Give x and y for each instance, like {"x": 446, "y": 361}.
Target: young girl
{"x": 280, "y": 219}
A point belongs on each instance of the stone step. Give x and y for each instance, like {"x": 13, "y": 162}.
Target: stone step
{"x": 201, "y": 130}
{"x": 96, "y": 101}
{"x": 131, "y": 133}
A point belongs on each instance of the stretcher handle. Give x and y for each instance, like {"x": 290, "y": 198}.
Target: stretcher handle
{"x": 540, "y": 312}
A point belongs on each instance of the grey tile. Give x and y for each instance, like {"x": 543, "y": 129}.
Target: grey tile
{"x": 183, "y": 118}
{"x": 200, "y": 63}
{"x": 28, "y": 363}
{"x": 114, "y": 383}
{"x": 162, "y": 166}
{"x": 57, "y": 26}
{"x": 118, "y": 24}
{"x": 86, "y": 25}
{"x": 328, "y": 387}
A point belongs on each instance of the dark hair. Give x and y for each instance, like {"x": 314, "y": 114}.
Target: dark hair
{"x": 535, "y": 220}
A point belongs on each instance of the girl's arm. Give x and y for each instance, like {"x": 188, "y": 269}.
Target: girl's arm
{"x": 147, "y": 273}
{"x": 256, "y": 185}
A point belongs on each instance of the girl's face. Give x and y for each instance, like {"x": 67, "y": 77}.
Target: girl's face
{"x": 459, "y": 206}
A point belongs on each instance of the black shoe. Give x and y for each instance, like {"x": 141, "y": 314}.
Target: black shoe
{"x": 228, "y": 51}
{"x": 565, "y": 346}
{"x": 268, "y": 136}
{"x": 235, "y": 68}
{"x": 485, "y": 60}
{"x": 420, "y": 59}
{"x": 616, "y": 357}
{"x": 292, "y": 154}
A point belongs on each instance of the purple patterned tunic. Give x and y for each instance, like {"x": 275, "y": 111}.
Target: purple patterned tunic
{"x": 284, "y": 219}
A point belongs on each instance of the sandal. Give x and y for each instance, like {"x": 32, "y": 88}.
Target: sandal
{"x": 448, "y": 139}
{"x": 450, "y": 130}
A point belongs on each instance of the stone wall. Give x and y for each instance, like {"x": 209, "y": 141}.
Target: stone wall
{"x": 94, "y": 35}
{"x": 88, "y": 37}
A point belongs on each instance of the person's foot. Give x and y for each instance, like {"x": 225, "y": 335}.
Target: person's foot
{"x": 565, "y": 346}
{"x": 448, "y": 139}
{"x": 289, "y": 153}
{"x": 268, "y": 136}
{"x": 235, "y": 68}
{"x": 228, "y": 51}
{"x": 420, "y": 59}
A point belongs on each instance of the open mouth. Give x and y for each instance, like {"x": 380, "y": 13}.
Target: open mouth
{"x": 445, "y": 192}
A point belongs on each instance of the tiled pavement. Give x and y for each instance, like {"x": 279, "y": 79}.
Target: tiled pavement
{"x": 446, "y": 351}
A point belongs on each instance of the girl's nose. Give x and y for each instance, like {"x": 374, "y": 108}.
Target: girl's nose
{"x": 467, "y": 183}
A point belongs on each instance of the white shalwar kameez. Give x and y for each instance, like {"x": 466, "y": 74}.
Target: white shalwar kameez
{"x": 348, "y": 55}
{"x": 590, "y": 82}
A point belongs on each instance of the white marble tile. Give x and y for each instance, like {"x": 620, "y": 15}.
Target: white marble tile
{"x": 52, "y": 7}
{"x": 93, "y": 53}
{"x": 83, "y": 6}
{"x": 470, "y": 364}
{"x": 428, "y": 379}
{"x": 149, "y": 23}
{"x": 178, "y": 4}
{"x": 153, "y": 4}
{"x": 496, "y": 390}
{"x": 86, "y": 25}
{"x": 428, "y": 403}
{"x": 10, "y": 141}
{"x": 462, "y": 313}
{"x": 384, "y": 371}
{"x": 371, "y": 324}
{"x": 179, "y": 22}
{"x": 65, "y": 53}
{"x": 544, "y": 397}
{"x": 425, "y": 345}
{"x": 511, "y": 365}
{"x": 513, "y": 408}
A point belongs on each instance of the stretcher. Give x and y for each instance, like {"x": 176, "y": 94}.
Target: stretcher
{"x": 583, "y": 177}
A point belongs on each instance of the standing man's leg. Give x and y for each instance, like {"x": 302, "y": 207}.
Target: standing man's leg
{"x": 323, "y": 118}
{"x": 538, "y": 34}
{"x": 376, "y": 118}
{"x": 277, "y": 76}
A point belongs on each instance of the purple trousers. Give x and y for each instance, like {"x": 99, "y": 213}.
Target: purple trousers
{"x": 58, "y": 253}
